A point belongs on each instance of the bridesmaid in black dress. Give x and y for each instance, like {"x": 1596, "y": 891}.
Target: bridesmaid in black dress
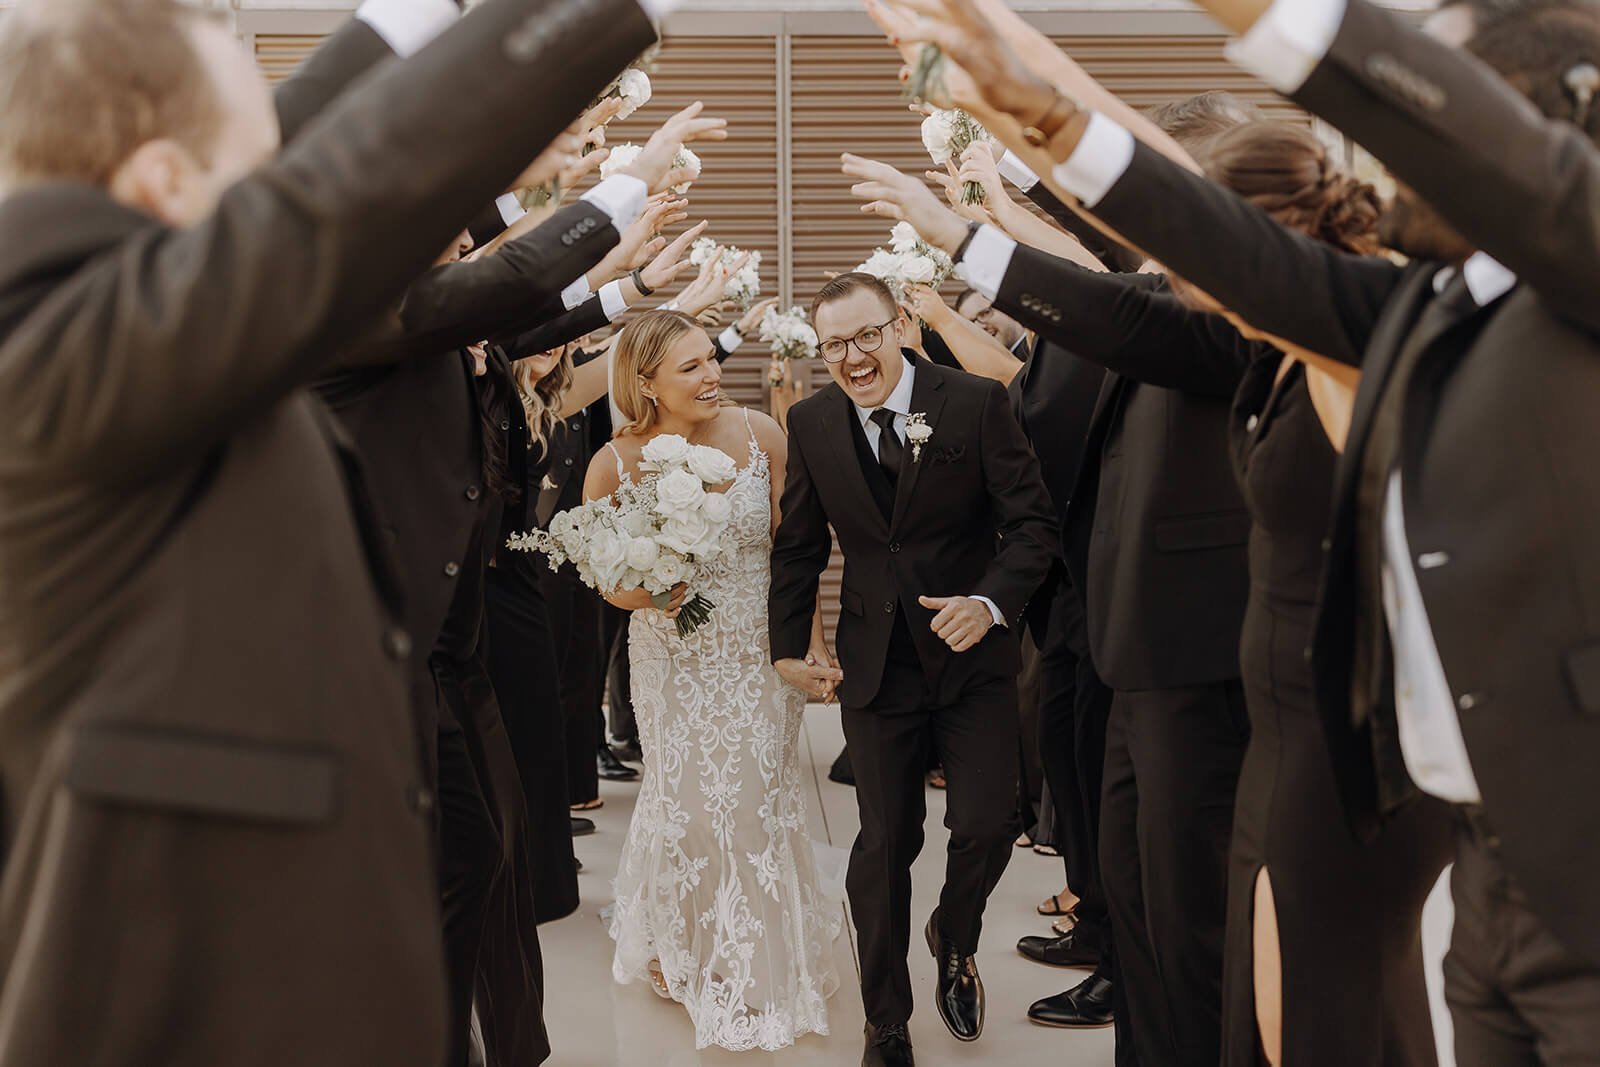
{"x": 1323, "y": 960}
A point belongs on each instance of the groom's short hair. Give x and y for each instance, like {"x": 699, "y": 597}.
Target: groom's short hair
{"x": 841, "y": 287}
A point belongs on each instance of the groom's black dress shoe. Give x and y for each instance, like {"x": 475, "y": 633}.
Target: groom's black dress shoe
{"x": 1067, "y": 950}
{"x": 628, "y": 751}
{"x": 960, "y": 993}
{"x": 609, "y": 767}
{"x": 888, "y": 1046}
{"x": 582, "y": 827}
{"x": 1084, "y": 1007}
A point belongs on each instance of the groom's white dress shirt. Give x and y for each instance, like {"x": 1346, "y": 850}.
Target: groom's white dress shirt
{"x": 899, "y": 402}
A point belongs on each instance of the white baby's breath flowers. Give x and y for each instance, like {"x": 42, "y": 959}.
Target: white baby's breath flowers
{"x": 909, "y": 261}
{"x": 743, "y": 285}
{"x": 623, "y": 156}
{"x": 789, "y": 334}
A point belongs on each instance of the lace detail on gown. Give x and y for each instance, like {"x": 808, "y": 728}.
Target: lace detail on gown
{"x": 718, "y": 880}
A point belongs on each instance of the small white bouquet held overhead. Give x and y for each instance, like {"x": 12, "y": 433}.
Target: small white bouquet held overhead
{"x": 654, "y": 533}
{"x": 744, "y": 284}
{"x": 623, "y": 155}
{"x": 946, "y": 135}
{"x": 632, "y": 87}
{"x": 909, "y": 260}
{"x": 789, "y": 333}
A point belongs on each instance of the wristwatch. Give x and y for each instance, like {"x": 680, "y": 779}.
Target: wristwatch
{"x": 1046, "y": 133}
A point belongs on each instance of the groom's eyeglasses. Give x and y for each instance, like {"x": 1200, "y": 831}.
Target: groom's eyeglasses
{"x": 867, "y": 341}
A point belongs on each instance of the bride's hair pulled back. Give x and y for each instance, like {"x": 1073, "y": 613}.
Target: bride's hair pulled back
{"x": 640, "y": 350}
{"x": 1284, "y": 170}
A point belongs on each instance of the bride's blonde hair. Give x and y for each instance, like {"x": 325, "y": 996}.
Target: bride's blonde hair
{"x": 640, "y": 350}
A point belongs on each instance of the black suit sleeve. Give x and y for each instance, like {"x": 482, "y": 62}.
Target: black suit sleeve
{"x": 1522, "y": 187}
{"x": 586, "y": 318}
{"x": 457, "y": 304}
{"x": 1021, "y": 507}
{"x": 352, "y": 51}
{"x": 1127, "y": 323}
{"x": 1280, "y": 281}
{"x": 800, "y": 552}
{"x": 192, "y": 331}
{"x": 939, "y": 350}
{"x": 718, "y": 350}
{"x": 1117, "y": 257}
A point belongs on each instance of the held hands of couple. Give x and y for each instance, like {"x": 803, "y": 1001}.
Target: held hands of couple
{"x": 961, "y": 622}
{"x": 817, "y": 676}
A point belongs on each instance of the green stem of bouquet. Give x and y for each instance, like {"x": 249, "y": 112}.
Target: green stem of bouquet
{"x": 927, "y": 76}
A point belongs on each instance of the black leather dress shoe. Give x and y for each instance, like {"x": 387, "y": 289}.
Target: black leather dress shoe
{"x": 629, "y": 751}
{"x": 1063, "y": 951}
{"x": 888, "y": 1046}
{"x": 582, "y": 827}
{"x": 960, "y": 992}
{"x": 1084, "y": 1007}
{"x": 609, "y": 767}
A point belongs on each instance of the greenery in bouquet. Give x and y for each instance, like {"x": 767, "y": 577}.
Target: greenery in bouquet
{"x": 946, "y": 135}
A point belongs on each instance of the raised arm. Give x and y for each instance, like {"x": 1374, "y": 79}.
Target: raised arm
{"x": 178, "y": 337}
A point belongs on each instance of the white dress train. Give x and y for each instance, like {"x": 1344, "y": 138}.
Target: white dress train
{"x": 718, "y": 880}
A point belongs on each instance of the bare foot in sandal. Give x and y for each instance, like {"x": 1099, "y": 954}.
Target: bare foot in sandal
{"x": 1063, "y": 903}
{"x": 589, "y": 805}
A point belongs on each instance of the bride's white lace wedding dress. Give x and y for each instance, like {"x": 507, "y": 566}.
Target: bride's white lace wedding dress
{"x": 718, "y": 880}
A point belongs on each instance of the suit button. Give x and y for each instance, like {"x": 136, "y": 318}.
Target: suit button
{"x": 895, "y": 547}
{"x": 1251, "y": 423}
{"x": 420, "y": 800}
{"x": 577, "y": 427}
{"x": 1430, "y": 560}
{"x": 569, "y": 461}
{"x": 473, "y": 492}
{"x": 505, "y": 424}
{"x": 1468, "y": 701}
{"x": 888, "y": 607}
{"x": 452, "y": 569}
{"x": 397, "y": 643}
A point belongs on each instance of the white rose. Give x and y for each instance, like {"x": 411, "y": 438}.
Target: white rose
{"x": 666, "y": 451}
{"x": 606, "y": 551}
{"x": 918, "y": 269}
{"x": 904, "y": 237}
{"x": 669, "y": 570}
{"x": 716, "y": 508}
{"x": 678, "y": 493}
{"x": 620, "y": 159}
{"x": 634, "y": 86}
{"x": 642, "y": 553}
{"x": 686, "y": 532}
{"x": 712, "y": 466}
{"x": 635, "y": 523}
{"x": 936, "y": 130}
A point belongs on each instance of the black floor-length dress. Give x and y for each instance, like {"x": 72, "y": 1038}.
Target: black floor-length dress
{"x": 1349, "y": 914}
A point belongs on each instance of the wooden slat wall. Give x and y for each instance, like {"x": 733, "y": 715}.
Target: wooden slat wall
{"x": 278, "y": 54}
{"x": 736, "y": 77}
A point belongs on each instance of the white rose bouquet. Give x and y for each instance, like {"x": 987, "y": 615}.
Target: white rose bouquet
{"x": 909, "y": 261}
{"x": 946, "y": 135}
{"x": 623, "y": 155}
{"x": 654, "y": 533}
{"x": 789, "y": 334}
{"x": 744, "y": 284}
{"x": 632, "y": 87}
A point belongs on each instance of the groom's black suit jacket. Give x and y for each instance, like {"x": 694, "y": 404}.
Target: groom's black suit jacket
{"x": 971, "y": 518}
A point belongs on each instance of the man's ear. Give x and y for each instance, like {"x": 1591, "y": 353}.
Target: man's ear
{"x": 158, "y": 178}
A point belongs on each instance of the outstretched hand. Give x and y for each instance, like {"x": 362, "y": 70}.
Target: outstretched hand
{"x": 672, "y": 260}
{"x": 968, "y": 39}
{"x": 903, "y": 198}
{"x": 961, "y": 622}
{"x": 654, "y": 165}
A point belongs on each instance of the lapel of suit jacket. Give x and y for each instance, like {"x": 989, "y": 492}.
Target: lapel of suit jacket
{"x": 927, "y": 397}
{"x": 837, "y": 430}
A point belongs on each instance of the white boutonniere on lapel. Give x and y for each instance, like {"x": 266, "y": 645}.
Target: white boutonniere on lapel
{"x": 918, "y": 432}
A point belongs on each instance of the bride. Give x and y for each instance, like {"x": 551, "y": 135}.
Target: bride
{"x": 717, "y": 899}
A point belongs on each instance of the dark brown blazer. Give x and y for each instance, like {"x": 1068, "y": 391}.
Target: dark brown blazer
{"x": 217, "y": 848}
{"x": 1497, "y": 446}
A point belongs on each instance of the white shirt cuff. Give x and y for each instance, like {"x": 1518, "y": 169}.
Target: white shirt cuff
{"x": 1098, "y": 163}
{"x": 730, "y": 340}
{"x": 1018, "y": 173}
{"x": 575, "y": 294}
{"x": 407, "y": 26}
{"x": 999, "y": 619}
{"x": 986, "y": 260}
{"x": 1288, "y": 41}
{"x": 621, "y": 196}
{"x": 511, "y": 209}
{"x": 612, "y": 301}
{"x": 659, "y": 9}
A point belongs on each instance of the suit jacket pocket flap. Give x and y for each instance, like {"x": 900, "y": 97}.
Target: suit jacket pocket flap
{"x": 851, "y": 601}
{"x": 1583, "y": 670}
{"x": 203, "y": 775}
{"x": 1218, "y": 530}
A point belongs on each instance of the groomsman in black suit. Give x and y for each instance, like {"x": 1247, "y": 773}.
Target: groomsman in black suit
{"x": 203, "y": 732}
{"x": 945, "y": 526}
{"x": 1455, "y": 648}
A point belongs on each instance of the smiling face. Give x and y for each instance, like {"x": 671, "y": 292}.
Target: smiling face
{"x": 687, "y": 384}
{"x": 979, "y": 310}
{"x": 867, "y": 378}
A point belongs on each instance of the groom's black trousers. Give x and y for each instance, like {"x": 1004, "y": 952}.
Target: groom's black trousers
{"x": 889, "y": 741}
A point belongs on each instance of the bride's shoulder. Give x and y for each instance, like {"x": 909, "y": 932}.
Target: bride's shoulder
{"x": 768, "y": 434}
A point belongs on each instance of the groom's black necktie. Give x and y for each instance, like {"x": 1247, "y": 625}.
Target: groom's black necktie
{"x": 889, "y": 447}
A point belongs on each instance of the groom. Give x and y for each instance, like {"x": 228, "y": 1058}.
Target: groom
{"x": 937, "y": 502}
